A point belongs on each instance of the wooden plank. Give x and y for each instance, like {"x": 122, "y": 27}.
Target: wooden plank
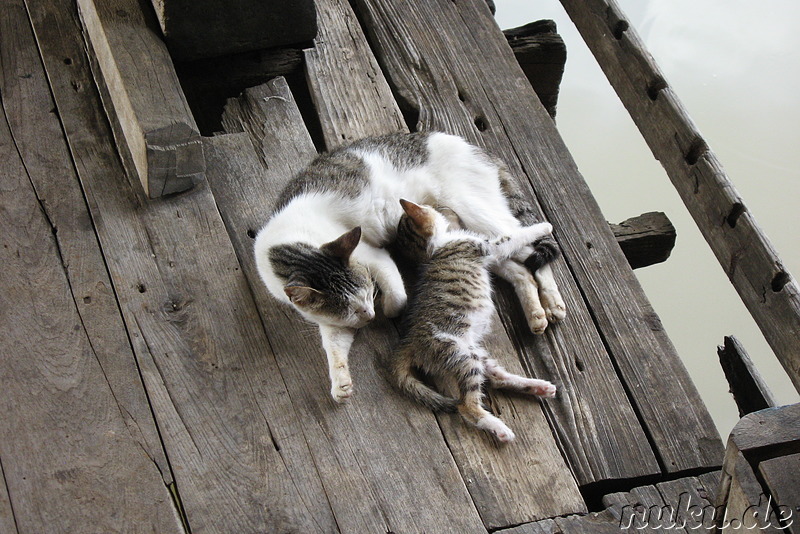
{"x": 711, "y": 485}
{"x": 506, "y": 117}
{"x": 546, "y": 526}
{"x": 770, "y": 293}
{"x": 594, "y": 523}
{"x": 782, "y": 477}
{"x": 692, "y": 503}
{"x": 154, "y": 127}
{"x": 369, "y": 453}
{"x": 67, "y": 457}
{"x": 646, "y": 239}
{"x": 452, "y": 45}
{"x": 227, "y": 421}
{"x": 29, "y": 108}
{"x": 7, "y": 521}
{"x": 352, "y": 97}
{"x": 643, "y": 508}
{"x": 749, "y": 390}
{"x": 767, "y": 428}
{"x": 510, "y": 485}
{"x": 541, "y": 54}
{"x": 746, "y": 505}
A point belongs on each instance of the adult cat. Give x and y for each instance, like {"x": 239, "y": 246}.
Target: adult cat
{"x": 323, "y": 246}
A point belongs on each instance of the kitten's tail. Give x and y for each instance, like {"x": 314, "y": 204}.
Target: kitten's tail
{"x": 412, "y": 386}
{"x": 545, "y": 250}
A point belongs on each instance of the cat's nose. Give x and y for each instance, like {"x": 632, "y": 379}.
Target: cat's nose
{"x": 366, "y": 313}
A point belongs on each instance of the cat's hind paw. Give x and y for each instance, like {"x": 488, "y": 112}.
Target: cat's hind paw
{"x": 537, "y": 319}
{"x": 541, "y": 388}
{"x": 496, "y": 427}
{"x": 342, "y": 389}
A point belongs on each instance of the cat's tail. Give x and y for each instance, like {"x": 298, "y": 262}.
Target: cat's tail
{"x": 410, "y": 385}
{"x": 545, "y": 250}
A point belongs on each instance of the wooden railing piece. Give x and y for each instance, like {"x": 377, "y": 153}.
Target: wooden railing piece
{"x": 528, "y": 480}
{"x": 770, "y": 293}
{"x": 450, "y": 66}
{"x": 749, "y": 390}
{"x": 582, "y": 418}
{"x": 379, "y": 456}
{"x": 226, "y": 419}
{"x": 646, "y": 239}
{"x": 153, "y": 125}
{"x": 67, "y": 457}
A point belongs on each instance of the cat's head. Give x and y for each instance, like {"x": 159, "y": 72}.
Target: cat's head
{"x": 417, "y": 230}
{"x": 324, "y": 284}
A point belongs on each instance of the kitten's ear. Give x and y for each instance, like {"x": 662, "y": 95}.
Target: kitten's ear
{"x": 343, "y": 246}
{"x": 419, "y": 215}
{"x": 301, "y": 296}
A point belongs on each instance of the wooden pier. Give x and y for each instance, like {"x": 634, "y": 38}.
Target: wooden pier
{"x": 148, "y": 383}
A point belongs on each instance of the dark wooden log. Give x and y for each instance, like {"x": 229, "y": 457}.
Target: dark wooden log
{"x": 749, "y": 390}
{"x": 209, "y": 83}
{"x": 646, "y": 239}
{"x": 450, "y": 63}
{"x": 153, "y": 125}
{"x": 195, "y": 29}
{"x": 752, "y": 264}
{"x": 542, "y": 54}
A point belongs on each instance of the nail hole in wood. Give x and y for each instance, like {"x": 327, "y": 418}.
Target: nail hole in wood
{"x": 655, "y": 87}
{"x": 480, "y": 123}
{"x": 579, "y": 364}
{"x": 620, "y": 28}
{"x": 696, "y": 151}
{"x": 140, "y": 288}
{"x": 87, "y": 300}
{"x": 67, "y": 61}
{"x": 780, "y": 279}
{"x": 462, "y": 97}
{"x": 736, "y": 211}
{"x": 251, "y": 233}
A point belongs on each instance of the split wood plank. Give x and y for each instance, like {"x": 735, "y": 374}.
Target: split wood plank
{"x": 32, "y": 118}
{"x": 519, "y": 483}
{"x": 752, "y": 264}
{"x": 749, "y": 390}
{"x": 154, "y": 127}
{"x": 782, "y": 478}
{"x": 352, "y": 97}
{"x": 691, "y": 502}
{"x": 593, "y": 412}
{"x": 380, "y": 455}
{"x": 746, "y": 501}
{"x": 482, "y": 94}
{"x": 546, "y": 526}
{"x": 646, "y": 239}
{"x": 226, "y": 418}
{"x": 68, "y": 459}
{"x": 7, "y": 521}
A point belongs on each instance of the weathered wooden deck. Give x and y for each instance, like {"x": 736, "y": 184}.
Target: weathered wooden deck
{"x": 148, "y": 383}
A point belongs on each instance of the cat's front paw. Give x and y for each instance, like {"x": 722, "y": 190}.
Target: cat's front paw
{"x": 536, "y": 317}
{"x": 541, "y": 388}
{"x": 553, "y": 305}
{"x": 342, "y": 388}
{"x": 394, "y": 303}
{"x": 496, "y": 427}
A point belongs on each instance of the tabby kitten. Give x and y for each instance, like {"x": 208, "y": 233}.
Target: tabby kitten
{"x": 450, "y": 312}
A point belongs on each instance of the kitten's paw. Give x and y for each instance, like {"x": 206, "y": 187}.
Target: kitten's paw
{"x": 537, "y": 320}
{"x": 342, "y": 389}
{"x": 497, "y": 428}
{"x": 394, "y": 303}
{"x": 554, "y": 306}
{"x": 541, "y": 388}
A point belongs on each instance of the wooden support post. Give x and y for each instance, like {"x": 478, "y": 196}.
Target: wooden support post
{"x": 542, "y": 54}
{"x": 646, "y": 239}
{"x": 770, "y": 293}
{"x": 195, "y": 29}
{"x": 749, "y": 390}
{"x": 154, "y": 128}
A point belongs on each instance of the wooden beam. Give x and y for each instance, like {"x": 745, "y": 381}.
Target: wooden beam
{"x": 542, "y": 54}
{"x": 153, "y": 125}
{"x": 646, "y": 239}
{"x": 196, "y": 29}
{"x": 749, "y": 390}
{"x": 770, "y": 293}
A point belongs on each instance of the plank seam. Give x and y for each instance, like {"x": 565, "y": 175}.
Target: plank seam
{"x": 8, "y": 493}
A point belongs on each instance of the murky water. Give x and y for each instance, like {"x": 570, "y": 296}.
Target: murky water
{"x": 735, "y": 65}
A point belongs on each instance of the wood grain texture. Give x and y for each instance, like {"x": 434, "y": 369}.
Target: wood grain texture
{"x": 497, "y": 108}
{"x": 546, "y": 526}
{"x": 749, "y": 390}
{"x": 782, "y": 478}
{"x": 509, "y": 485}
{"x": 349, "y": 90}
{"x": 380, "y": 455}
{"x": 752, "y": 264}
{"x": 646, "y": 239}
{"x": 226, "y": 419}
{"x": 68, "y": 459}
{"x": 154, "y": 127}
{"x": 32, "y": 119}
{"x": 7, "y": 521}
{"x": 746, "y": 501}
{"x": 691, "y": 502}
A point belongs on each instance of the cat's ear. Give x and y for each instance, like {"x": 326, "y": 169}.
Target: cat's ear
{"x": 419, "y": 215}
{"x": 343, "y": 246}
{"x": 301, "y": 296}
